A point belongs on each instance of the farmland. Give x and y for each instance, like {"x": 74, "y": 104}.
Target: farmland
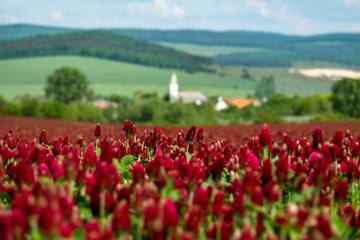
{"x": 246, "y": 182}
{"x": 28, "y": 76}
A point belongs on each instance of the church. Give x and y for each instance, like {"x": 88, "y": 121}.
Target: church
{"x": 184, "y": 96}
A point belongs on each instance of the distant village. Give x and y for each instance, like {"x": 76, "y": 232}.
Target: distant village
{"x": 198, "y": 98}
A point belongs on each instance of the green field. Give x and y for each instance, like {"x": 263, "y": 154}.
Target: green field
{"x": 208, "y": 51}
{"x": 28, "y": 76}
{"x": 286, "y": 83}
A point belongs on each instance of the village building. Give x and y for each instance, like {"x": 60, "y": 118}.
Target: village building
{"x": 241, "y": 103}
{"x": 221, "y": 105}
{"x": 104, "y": 104}
{"x": 184, "y": 96}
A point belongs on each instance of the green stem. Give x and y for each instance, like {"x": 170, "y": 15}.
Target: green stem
{"x": 97, "y": 146}
{"x": 102, "y": 210}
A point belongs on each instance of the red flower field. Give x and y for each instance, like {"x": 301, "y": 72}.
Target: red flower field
{"x": 82, "y": 180}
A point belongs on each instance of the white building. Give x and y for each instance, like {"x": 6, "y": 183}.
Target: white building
{"x": 186, "y": 97}
{"x": 221, "y": 104}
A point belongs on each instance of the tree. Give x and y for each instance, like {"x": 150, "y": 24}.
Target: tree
{"x": 345, "y": 97}
{"x": 2, "y": 104}
{"x": 266, "y": 88}
{"x": 67, "y": 85}
{"x": 29, "y": 106}
{"x": 246, "y": 74}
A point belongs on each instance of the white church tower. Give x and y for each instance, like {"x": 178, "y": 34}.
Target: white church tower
{"x": 173, "y": 88}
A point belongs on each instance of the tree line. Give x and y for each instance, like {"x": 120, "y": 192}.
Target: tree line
{"x": 68, "y": 96}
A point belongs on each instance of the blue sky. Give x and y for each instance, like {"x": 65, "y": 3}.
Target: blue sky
{"x": 285, "y": 16}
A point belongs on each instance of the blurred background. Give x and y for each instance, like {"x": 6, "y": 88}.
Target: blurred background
{"x": 181, "y": 62}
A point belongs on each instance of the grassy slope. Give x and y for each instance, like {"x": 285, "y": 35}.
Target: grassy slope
{"x": 28, "y": 75}
{"x": 20, "y": 76}
{"x": 208, "y": 51}
{"x": 286, "y": 83}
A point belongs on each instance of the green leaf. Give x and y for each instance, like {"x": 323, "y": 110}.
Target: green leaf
{"x": 124, "y": 165}
{"x": 85, "y": 213}
{"x": 5, "y": 198}
{"x": 127, "y": 160}
{"x": 79, "y": 234}
{"x": 170, "y": 192}
{"x": 144, "y": 161}
{"x": 225, "y": 176}
{"x": 126, "y": 175}
{"x": 175, "y": 195}
{"x": 338, "y": 222}
{"x": 35, "y": 234}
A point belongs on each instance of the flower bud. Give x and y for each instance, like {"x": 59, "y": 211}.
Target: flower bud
{"x": 97, "y": 131}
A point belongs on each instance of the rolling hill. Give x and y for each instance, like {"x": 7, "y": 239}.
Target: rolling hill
{"x": 276, "y": 50}
{"x": 15, "y": 31}
{"x": 102, "y": 44}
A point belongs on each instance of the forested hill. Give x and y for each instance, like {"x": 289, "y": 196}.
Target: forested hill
{"x": 14, "y": 31}
{"x": 102, "y": 44}
{"x": 272, "y": 49}
{"x": 203, "y": 37}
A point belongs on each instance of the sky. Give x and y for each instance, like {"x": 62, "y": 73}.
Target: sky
{"x": 302, "y": 17}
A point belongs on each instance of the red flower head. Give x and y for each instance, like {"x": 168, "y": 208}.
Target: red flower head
{"x": 341, "y": 190}
{"x": 97, "y": 131}
{"x": 121, "y": 219}
{"x": 151, "y": 211}
{"x": 201, "y": 198}
{"x": 6, "y": 226}
{"x": 246, "y": 234}
{"x": 138, "y": 172}
{"x": 106, "y": 151}
{"x": 257, "y": 196}
{"x": 93, "y": 230}
{"x": 200, "y": 135}
{"x": 265, "y": 135}
{"x": 90, "y": 156}
{"x": 338, "y": 138}
{"x": 282, "y": 168}
{"x": 218, "y": 207}
{"x": 129, "y": 128}
{"x": 190, "y": 134}
{"x": 252, "y": 161}
{"x": 80, "y": 141}
{"x": 193, "y": 219}
{"x": 170, "y": 214}
{"x": 24, "y": 173}
{"x": 318, "y": 137}
{"x": 323, "y": 225}
{"x": 266, "y": 172}
{"x": 251, "y": 180}
{"x": 42, "y": 137}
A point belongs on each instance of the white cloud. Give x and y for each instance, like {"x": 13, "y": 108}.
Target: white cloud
{"x": 11, "y": 19}
{"x": 351, "y": 2}
{"x": 159, "y": 8}
{"x": 280, "y": 14}
{"x": 260, "y": 7}
{"x": 56, "y": 15}
{"x": 355, "y": 27}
